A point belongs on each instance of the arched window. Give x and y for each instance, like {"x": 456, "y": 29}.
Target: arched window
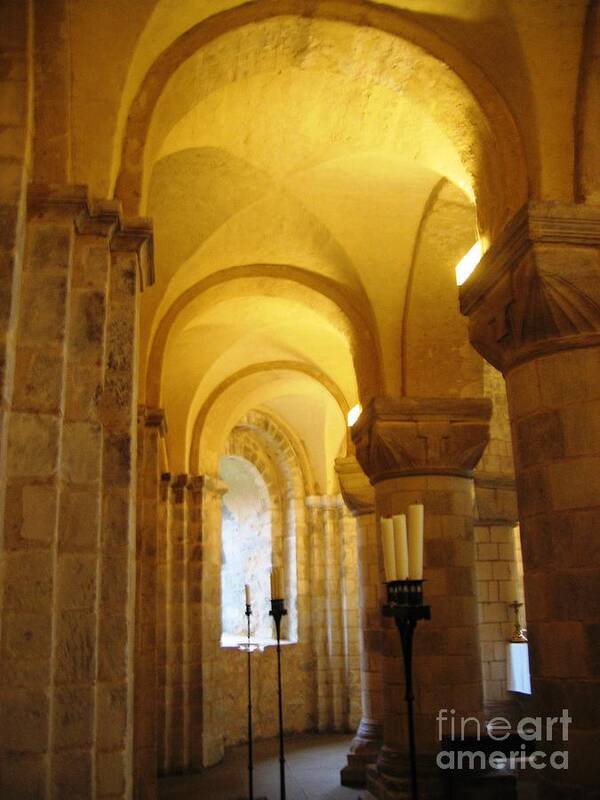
{"x": 246, "y": 550}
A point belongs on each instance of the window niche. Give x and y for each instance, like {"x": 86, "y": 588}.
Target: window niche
{"x": 246, "y": 550}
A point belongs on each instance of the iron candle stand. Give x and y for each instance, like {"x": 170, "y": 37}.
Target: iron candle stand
{"x": 405, "y": 605}
{"x": 248, "y": 613}
{"x": 277, "y": 612}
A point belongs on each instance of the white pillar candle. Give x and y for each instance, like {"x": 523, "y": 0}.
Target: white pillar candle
{"x": 415, "y": 542}
{"x": 400, "y": 546}
{"x": 387, "y": 541}
{"x": 247, "y": 591}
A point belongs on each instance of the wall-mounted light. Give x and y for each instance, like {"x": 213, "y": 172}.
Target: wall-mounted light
{"x": 468, "y": 263}
{"x": 354, "y": 414}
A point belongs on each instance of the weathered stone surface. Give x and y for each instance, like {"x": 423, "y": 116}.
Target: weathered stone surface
{"x": 28, "y": 581}
{"x": 32, "y": 445}
{"x": 73, "y": 717}
{"x": 76, "y": 581}
{"x": 27, "y": 710}
{"x": 75, "y": 647}
{"x": 80, "y": 457}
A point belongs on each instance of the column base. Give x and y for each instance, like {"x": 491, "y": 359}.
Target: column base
{"x": 364, "y": 751}
{"x": 389, "y": 779}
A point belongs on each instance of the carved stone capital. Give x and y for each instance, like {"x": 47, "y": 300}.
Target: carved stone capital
{"x": 537, "y": 289}
{"x": 97, "y": 218}
{"x": 155, "y": 418}
{"x": 395, "y": 437}
{"x": 355, "y": 487}
{"x": 195, "y": 484}
{"x": 178, "y": 485}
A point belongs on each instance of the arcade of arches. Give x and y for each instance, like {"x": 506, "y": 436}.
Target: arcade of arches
{"x": 223, "y": 225}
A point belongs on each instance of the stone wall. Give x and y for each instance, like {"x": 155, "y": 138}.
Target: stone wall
{"x": 69, "y": 522}
{"x": 498, "y": 585}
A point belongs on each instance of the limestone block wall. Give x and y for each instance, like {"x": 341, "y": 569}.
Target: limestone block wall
{"x": 498, "y": 584}
{"x": 68, "y": 548}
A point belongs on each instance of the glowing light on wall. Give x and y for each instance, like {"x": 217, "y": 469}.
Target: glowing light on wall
{"x": 354, "y": 414}
{"x": 468, "y": 263}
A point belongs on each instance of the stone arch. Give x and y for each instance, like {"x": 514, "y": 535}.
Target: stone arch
{"x": 499, "y": 195}
{"x": 322, "y": 294}
{"x": 291, "y": 460}
{"x": 265, "y": 366}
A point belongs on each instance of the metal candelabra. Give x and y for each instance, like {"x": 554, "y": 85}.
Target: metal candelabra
{"x": 250, "y": 751}
{"x": 405, "y": 605}
{"x": 278, "y": 611}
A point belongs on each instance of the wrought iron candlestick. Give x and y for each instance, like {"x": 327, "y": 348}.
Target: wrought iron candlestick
{"x": 277, "y": 612}
{"x": 250, "y": 743}
{"x": 405, "y": 605}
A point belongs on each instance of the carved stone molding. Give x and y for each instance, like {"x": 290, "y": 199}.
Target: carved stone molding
{"x": 537, "y": 289}
{"x": 97, "y": 218}
{"x": 395, "y": 437}
{"x": 355, "y": 487}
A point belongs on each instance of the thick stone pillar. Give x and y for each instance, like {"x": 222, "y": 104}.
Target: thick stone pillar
{"x": 69, "y": 537}
{"x": 424, "y": 450}
{"x": 359, "y": 497}
{"x": 534, "y": 313}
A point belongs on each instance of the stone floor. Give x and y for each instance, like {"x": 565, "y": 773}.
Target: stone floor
{"x": 312, "y": 773}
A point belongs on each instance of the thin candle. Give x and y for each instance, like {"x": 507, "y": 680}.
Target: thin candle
{"x": 387, "y": 541}
{"x": 248, "y": 596}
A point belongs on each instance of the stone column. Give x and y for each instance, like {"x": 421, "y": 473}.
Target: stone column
{"x": 534, "y": 313}
{"x": 193, "y": 624}
{"x": 70, "y": 512}
{"x": 162, "y": 594}
{"x": 202, "y": 623}
{"x": 174, "y": 681}
{"x": 146, "y": 732}
{"x": 359, "y": 497}
{"x": 331, "y": 595}
{"x": 424, "y": 450}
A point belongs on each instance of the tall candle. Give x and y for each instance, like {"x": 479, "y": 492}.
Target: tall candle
{"x": 277, "y": 583}
{"x": 247, "y": 591}
{"x": 387, "y": 541}
{"x": 400, "y": 546}
{"x": 415, "y": 542}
